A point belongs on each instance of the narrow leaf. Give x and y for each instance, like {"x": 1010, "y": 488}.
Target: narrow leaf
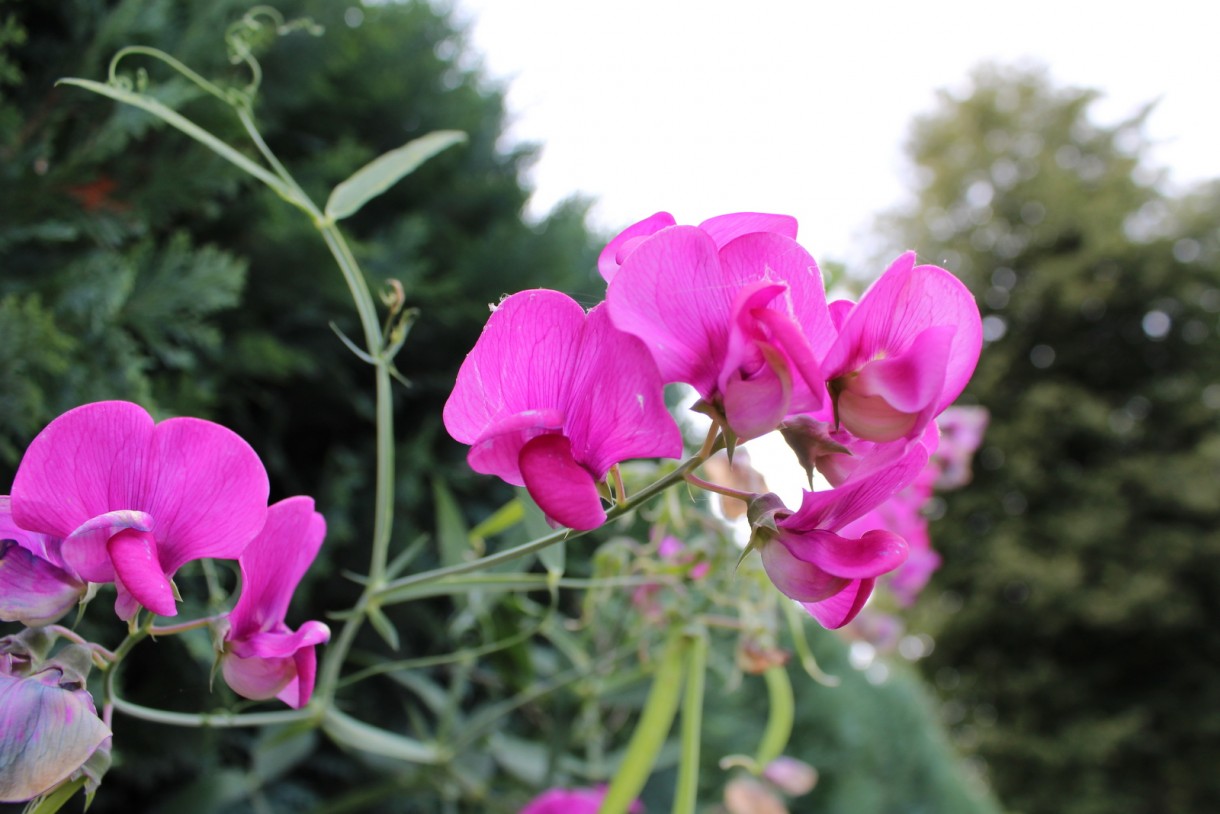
{"x": 384, "y": 627}
{"x": 386, "y": 170}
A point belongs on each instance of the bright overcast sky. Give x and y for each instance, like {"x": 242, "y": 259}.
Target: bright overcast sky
{"x": 702, "y": 107}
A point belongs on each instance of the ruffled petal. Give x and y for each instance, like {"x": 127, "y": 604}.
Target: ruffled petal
{"x": 904, "y": 302}
{"x": 86, "y": 462}
{"x": 617, "y": 406}
{"x": 672, "y": 294}
{"x": 274, "y": 563}
{"x": 210, "y": 495}
{"x": 522, "y": 362}
{"x": 562, "y": 488}
{"x": 838, "y": 610}
{"x": 725, "y": 228}
{"x": 624, "y": 243}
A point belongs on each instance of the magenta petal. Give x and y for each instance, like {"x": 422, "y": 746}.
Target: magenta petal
{"x": 521, "y": 362}
{"x": 875, "y": 553}
{"x": 78, "y": 466}
{"x": 755, "y": 406}
{"x": 838, "y": 610}
{"x": 210, "y": 495}
{"x": 616, "y": 408}
{"x": 620, "y": 247}
{"x": 562, "y": 488}
{"x": 257, "y": 678}
{"x": 904, "y": 302}
{"x": 274, "y": 563}
{"x": 912, "y": 380}
{"x": 725, "y": 228}
{"x": 672, "y": 294}
{"x": 795, "y": 578}
{"x": 866, "y": 489}
{"x": 297, "y": 692}
{"x": 496, "y": 452}
{"x": 134, "y": 555}
{"x": 33, "y": 591}
{"x": 85, "y": 548}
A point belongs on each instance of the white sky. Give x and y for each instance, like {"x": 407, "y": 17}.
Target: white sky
{"x": 701, "y": 107}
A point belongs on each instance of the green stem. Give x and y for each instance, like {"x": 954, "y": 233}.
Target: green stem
{"x": 214, "y": 720}
{"x": 653, "y": 728}
{"x": 183, "y": 627}
{"x": 640, "y": 497}
{"x": 779, "y": 719}
{"x": 727, "y": 491}
{"x": 687, "y": 794}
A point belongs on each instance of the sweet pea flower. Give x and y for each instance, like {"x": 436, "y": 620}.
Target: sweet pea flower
{"x": 551, "y": 397}
{"x": 572, "y": 801}
{"x": 263, "y": 657}
{"x": 904, "y": 352}
{"x": 961, "y": 433}
{"x": 36, "y": 586}
{"x": 809, "y": 560}
{"x": 49, "y": 731}
{"x": 132, "y": 501}
{"x": 743, "y": 321}
{"x": 721, "y": 229}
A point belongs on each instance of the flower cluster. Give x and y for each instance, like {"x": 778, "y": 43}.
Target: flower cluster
{"x": 104, "y": 495}
{"x": 551, "y": 397}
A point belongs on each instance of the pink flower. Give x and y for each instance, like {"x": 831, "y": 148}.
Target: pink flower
{"x": 808, "y": 560}
{"x": 904, "y": 352}
{"x": 132, "y": 501}
{"x": 721, "y": 229}
{"x": 961, "y": 432}
{"x": 741, "y": 317}
{"x": 263, "y": 657}
{"x": 551, "y": 397}
{"x": 36, "y": 586}
{"x": 572, "y": 801}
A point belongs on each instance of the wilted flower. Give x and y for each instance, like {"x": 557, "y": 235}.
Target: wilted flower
{"x": 132, "y": 501}
{"x": 36, "y": 586}
{"x": 263, "y": 657}
{"x": 49, "y": 731}
{"x": 551, "y": 397}
{"x": 745, "y": 795}
{"x": 793, "y": 777}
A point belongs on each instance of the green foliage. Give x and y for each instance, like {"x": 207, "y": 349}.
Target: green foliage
{"x": 1082, "y": 566}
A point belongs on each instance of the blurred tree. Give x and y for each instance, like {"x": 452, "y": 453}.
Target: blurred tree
{"x": 1076, "y": 644}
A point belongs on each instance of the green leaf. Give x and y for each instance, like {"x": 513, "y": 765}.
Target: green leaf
{"x": 386, "y": 170}
{"x": 451, "y": 531}
{"x": 384, "y": 627}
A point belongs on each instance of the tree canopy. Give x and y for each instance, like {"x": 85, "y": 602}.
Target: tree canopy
{"x": 1075, "y": 633}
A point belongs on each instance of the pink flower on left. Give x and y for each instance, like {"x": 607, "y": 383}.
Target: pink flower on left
{"x": 551, "y": 397}
{"x": 130, "y": 501}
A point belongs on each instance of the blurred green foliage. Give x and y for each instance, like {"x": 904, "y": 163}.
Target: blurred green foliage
{"x": 1076, "y": 645}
